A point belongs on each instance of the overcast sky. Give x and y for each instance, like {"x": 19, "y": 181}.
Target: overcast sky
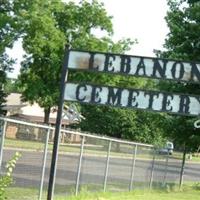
{"x": 137, "y": 19}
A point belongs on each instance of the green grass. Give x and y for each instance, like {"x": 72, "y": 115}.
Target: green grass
{"x": 67, "y": 148}
{"x": 14, "y": 193}
{"x": 24, "y": 144}
{"x": 95, "y": 150}
{"x": 189, "y": 194}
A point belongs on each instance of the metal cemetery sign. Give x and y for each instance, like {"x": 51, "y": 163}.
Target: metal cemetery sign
{"x": 133, "y": 98}
{"x": 135, "y": 65}
{"x": 124, "y": 97}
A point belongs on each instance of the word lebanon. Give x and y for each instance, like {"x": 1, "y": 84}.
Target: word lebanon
{"x": 135, "y": 65}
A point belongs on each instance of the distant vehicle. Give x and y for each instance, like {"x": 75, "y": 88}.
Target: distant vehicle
{"x": 167, "y": 149}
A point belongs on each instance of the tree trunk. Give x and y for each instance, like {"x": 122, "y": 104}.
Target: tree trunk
{"x": 46, "y": 115}
{"x": 183, "y": 166}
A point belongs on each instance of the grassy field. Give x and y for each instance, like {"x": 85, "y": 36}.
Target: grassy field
{"x": 138, "y": 195}
{"x": 21, "y": 193}
{"x": 189, "y": 194}
{"x": 186, "y": 194}
{"x": 90, "y": 150}
{"x": 68, "y": 148}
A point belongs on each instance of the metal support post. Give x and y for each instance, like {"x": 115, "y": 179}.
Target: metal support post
{"x": 79, "y": 165}
{"x": 56, "y": 141}
{"x": 152, "y": 169}
{"x": 3, "y": 133}
{"x": 107, "y": 167}
{"x": 182, "y": 168}
{"x": 44, "y": 164}
{"x": 166, "y": 168}
{"x": 133, "y": 168}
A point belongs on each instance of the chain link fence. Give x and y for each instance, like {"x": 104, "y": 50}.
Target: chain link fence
{"x": 85, "y": 162}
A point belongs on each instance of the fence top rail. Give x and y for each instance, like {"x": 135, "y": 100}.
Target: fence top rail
{"x": 105, "y": 138}
{"x": 25, "y": 123}
{"x": 74, "y": 132}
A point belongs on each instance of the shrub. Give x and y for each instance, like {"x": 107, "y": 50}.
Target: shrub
{"x": 25, "y": 135}
{"x": 7, "y": 180}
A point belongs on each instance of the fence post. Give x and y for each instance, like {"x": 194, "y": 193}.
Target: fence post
{"x": 152, "y": 168}
{"x": 133, "y": 168}
{"x": 166, "y": 168}
{"x": 107, "y": 167}
{"x": 3, "y": 133}
{"x": 44, "y": 164}
{"x": 182, "y": 167}
{"x": 79, "y": 166}
{"x": 54, "y": 158}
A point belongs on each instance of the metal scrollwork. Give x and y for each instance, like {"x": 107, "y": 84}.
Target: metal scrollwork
{"x": 197, "y": 124}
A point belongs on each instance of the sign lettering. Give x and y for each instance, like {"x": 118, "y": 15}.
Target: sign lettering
{"x": 133, "y": 98}
{"x": 135, "y": 66}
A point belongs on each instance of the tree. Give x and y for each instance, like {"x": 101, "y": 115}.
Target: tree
{"x": 47, "y": 26}
{"x": 8, "y": 27}
{"x": 43, "y": 42}
{"x": 183, "y": 42}
{"x": 193, "y": 1}
{"x": 11, "y": 85}
{"x": 5, "y": 65}
{"x": 141, "y": 126}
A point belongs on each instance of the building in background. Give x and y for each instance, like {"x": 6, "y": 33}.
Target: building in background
{"x": 25, "y": 111}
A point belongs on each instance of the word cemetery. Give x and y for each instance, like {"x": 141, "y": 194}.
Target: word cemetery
{"x": 132, "y": 98}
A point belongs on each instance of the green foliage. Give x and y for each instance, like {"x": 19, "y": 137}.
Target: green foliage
{"x": 196, "y": 186}
{"x": 8, "y": 34}
{"x": 183, "y": 43}
{"x": 5, "y": 65}
{"x": 11, "y": 85}
{"x": 8, "y": 25}
{"x": 47, "y": 26}
{"x": 43, "y": 42}
{"x": 124, "y": 123}
{"x": 23, "y": 135}
{"x": 193, "y": 1}
{"x": 186, "y": 193}
{"x": 183, "y": 40}
{"x": 6, "y": 180}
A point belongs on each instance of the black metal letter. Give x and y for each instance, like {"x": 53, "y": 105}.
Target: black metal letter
{"x": 95, "y": 94}
{"x": 125, "y": 64}
{"x": 109, "y": 63}
{"x": 114, "y": 98}
{"x": 78, "y": 92}
{"x": 184, "y": 104}
{"x": 141, "y": 66}
{"x": 174, "y": 70}
{"x": 195, "y": 72}
{"x": 91, "y": 62}
{"x": 166, "y": 102}
{"x": 132, "y": 98}
{"x": 158, "y": 68}
{"x": 151, "y": 98}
